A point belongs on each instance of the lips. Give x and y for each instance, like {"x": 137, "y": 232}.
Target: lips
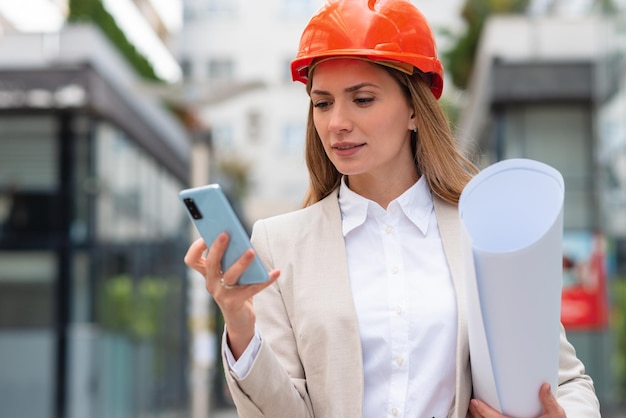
{"x": 345, "y": 149}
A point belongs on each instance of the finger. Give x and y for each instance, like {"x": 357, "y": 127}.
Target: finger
{"x": 213, "y": 264}
{"x": 474, "y": 408}
{"x": 479, "y": 409}
{"x": 234, "y": 272}
{"x": 231, "y": 276}
{"x": 194, "y": 256}
{"x": 550, "y": 405}
{"x": 257, "y": 287}
{"x": 246, "y": 292}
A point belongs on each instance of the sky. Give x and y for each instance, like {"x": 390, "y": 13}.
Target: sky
{"x": 20, "y": 13}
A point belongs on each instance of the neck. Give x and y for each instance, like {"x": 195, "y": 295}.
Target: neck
{"x": 381, "y": 190}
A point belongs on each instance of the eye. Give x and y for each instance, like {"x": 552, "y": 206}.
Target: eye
{"x": 363, "y": 101}
{"x": 321, "y": 104}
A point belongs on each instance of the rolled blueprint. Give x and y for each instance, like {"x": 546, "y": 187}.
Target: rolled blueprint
{"x": 512, "y": 221}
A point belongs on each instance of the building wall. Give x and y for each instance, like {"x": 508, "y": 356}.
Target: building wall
{"x": 237, "y": 42}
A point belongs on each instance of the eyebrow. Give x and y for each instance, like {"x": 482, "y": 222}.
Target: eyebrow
{"x": 347, "y": 89}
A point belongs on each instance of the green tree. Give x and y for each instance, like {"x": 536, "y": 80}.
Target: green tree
{"x": 135, "y": 309}
{"x": 459, "y": 60}
{"x": 94, "y": 12}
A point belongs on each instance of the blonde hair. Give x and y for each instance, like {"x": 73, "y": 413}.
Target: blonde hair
{"x": 436, "y": 155}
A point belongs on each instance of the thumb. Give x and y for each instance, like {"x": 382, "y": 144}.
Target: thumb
{"x": 548, "y": 401}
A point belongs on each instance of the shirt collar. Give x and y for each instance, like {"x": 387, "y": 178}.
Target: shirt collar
{"x": 416, "y": 203}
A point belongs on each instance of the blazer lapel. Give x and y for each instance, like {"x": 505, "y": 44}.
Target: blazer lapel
{"x": 450, "y": 231}
{"x": 332, "y": 288}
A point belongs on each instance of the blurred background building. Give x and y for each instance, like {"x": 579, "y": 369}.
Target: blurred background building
{"x": 549, "y": 86}
{"x": 92, "y": 291}
{"x": 109, "y": 107}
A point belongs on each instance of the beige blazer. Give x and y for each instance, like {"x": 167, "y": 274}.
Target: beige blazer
{"x": 310, "y": 361}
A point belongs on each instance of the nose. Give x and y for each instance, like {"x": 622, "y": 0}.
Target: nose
{"x": 339, "y": 118}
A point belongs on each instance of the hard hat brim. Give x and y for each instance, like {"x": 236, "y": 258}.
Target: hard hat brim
{"x": 302, "y": 68}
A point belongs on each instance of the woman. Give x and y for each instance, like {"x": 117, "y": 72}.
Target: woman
{"x": 366, "y": 316}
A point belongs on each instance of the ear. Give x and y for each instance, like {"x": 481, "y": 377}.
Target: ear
{"x": 412, "y": 126}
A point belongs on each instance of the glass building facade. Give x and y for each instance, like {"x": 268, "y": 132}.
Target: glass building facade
{"x": 92, "y": 239}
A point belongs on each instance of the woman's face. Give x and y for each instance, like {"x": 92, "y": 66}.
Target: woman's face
{"x": 363, "y": 119}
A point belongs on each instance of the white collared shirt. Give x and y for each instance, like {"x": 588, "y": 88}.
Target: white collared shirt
{"x": 405, "y": 303}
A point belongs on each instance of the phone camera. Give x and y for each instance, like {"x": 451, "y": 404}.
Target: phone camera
{"x": 192, "y": 208}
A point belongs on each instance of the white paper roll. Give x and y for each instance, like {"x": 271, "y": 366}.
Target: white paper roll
{"x": 512, "y": 217}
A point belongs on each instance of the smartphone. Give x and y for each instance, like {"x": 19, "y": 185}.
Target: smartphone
{"x": 211, "y": 213}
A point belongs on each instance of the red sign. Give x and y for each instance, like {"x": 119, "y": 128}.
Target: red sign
{"x": 584, "y": 300}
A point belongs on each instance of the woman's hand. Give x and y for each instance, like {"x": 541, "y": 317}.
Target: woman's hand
{"x": 551, "y": 408}
{"x": 234, "y": 301}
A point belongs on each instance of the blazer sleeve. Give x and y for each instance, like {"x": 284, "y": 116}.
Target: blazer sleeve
{"x": 575, "y": 392}
{"x": 275, "y": 386}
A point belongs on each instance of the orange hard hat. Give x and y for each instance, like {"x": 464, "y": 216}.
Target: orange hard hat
{"x": 389, "y": 32}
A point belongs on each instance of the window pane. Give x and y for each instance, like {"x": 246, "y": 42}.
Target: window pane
{"x": 28, "y": 178}
{"x": 28, "y": 153}
{"x": 220, "y": 69}
{"x": 223, "y": 138}
{"x": 543, "y": 133}
{"x": 26, "y": 285}
{"x": 27, "y": 361}
{"x": 221, "y": 7}
{"x": 298, "y": 8}
{"x": 293, "y": 139}
{"x": 26, "y": 334}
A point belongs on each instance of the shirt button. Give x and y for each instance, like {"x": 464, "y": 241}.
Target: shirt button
{"x": 394, "y": 412}
{"x": 392, "y": 209}
{"x": 399, "y": 361}
{"x": 398, "y": 310}
{"x": 394, "y": 270}
{"x": 388, "y": 229}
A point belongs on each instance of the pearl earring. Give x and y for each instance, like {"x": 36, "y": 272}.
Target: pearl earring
{"x": 413, "y": 127}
